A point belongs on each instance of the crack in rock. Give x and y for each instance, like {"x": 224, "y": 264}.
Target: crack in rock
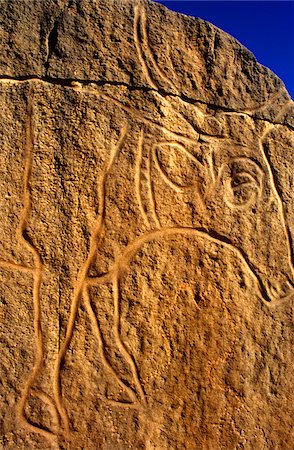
{"x": 73, "y": 83}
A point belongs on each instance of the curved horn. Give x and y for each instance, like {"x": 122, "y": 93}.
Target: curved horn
{"x": 149, "y": 64}
{"x": 188, "y": 112}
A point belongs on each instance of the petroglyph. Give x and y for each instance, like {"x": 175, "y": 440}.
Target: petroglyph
{"x": 36, "y": 272}
{"x": 37, "y": 275}
{"x": 243, "y": 184}
{"x": 240, "y": 180}
{"x": 156, "y": 235}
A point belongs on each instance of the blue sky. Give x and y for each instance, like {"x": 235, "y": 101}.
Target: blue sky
{"x": 265, "y": 27}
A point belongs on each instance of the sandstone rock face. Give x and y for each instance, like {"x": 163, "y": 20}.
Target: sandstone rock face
{"x": 147, "y": 238}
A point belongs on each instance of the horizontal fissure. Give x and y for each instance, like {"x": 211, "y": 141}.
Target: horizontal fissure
{"x": 72, "y": 83}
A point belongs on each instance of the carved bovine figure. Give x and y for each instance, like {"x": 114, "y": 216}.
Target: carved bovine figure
{"x": 216, "y": 183}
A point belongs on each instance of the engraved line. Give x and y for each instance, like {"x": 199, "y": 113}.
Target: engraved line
{"x": 175, "y": 186}
{"x": 212, "y": 167}
{"x": 138, "y": 179}
{"x": 266, "y": 103}
{"x": 151, "y": 191}
{"x": 140, "y": 14}
{"x": 80, "y": 283}
{"x": 151, "y": 56}
{"x": 140, "y": 17}
{"x": 225, "y": 166}
{"x": 145, "y": 69}
{"x": 283, "y": 110}
{"x": 97, "y": 333}
{"x": 280, "y": 204}
{"x": 123, "y": 261}
{"x": 119, "y": 342}
{"x": 9, "y": 265}
{"x": 101, "y": 279}
{"x": 178, "y": 146}
{"x": 135, "y": 113}
{"x": 267, "y": 159}
{"x": 37, "y": 271}
{"x": 35, "y": 429}
{"x": 47, "y": 399}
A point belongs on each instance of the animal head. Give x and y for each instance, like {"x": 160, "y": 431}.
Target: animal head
{"x": 219, "y": 179}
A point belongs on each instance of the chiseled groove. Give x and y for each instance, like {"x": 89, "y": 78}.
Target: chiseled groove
{"x": 10, "y": 265}
{"x": 138, "y": 179}
{"x": 274, "y": 185}
{"x": 98, "y": 334}
{"x": 123, "y": 261}
{"x": 124, "y": 351}
{"x": 37, "y": 278}
{"x": 79, "y": 289}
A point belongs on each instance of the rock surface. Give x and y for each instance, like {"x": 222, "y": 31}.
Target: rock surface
{"x": 146, "y": 233}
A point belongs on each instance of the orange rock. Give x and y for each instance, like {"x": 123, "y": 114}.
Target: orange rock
{"x": 146, "y": 229}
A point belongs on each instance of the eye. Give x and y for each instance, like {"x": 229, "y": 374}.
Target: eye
{"x": 242, "y": 183}
{"x": 243, "y": 189}
{"x": 241, "y": 180}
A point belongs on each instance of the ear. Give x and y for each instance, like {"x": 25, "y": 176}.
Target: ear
{"x": 178, "y": 168}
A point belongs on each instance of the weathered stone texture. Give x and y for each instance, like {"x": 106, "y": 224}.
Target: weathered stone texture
{"x": 146, "y": 233}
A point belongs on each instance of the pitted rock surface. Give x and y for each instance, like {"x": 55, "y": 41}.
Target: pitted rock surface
{"x": 146, "y": 233}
